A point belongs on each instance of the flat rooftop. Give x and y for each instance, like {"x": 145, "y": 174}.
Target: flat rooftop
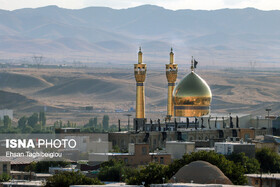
{"x": 275, "y": 176}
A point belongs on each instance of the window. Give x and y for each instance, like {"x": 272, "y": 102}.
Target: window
{"x": 246, "y": 137}
{"x": 155, "y": 142}
{"x": 161, "y": 160}
{"x": 4, "y": 168}
{"x": 156, "y": 159}
{"x": 144, "y": 150}
{"x": 256, "y": 181}
{"x": 125, "y": 160}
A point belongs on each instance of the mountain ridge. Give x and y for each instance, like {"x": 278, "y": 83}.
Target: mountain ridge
{"x": 243, "y": 35}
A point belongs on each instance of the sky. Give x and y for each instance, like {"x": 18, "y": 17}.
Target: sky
{"x": 120, "y": 4}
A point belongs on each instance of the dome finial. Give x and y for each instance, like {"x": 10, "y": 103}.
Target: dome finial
{"x": 192, "y": 66}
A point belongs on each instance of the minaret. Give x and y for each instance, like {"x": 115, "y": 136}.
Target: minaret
{"x": 140, "y": 70}
{"x": 171, "y": 75}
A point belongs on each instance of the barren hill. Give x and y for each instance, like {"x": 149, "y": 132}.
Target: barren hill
{"x": 107, "y": 90}
{"x": 21, "y": 81}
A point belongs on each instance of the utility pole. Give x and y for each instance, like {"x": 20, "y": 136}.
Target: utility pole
{"x": 128, "y": 121}
{"x": 37, "y": 60}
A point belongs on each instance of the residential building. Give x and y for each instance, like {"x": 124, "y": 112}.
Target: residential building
{"x": 264, "y": 180}
{"x": 138, "y": 155}
{"x": 178, "y": 149}
{"x": 227, "y": 148}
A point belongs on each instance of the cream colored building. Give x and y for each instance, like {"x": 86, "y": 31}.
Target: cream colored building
{"x": 178, "y": 149}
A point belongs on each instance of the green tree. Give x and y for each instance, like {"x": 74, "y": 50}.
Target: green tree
{"x": 105, "y": 122}
{"x": 153, "y": 173}
{"x": 7, "y": 121}
{"x": 111, "y": 171}
{"x": 31, "y": 167}
{"x": 69, "y": 124}
{"x": 113, "y": 128}
{"x": 251, "y": 165}
{"x": 5, "y": 177}
{"x": 65, "y": 179}
{"x": 91, "y": 122}
{"x": 95, "y": 122}
{"x": 33, "y": 120}
{"x": 42, "y": 118}
{"x": 269, "y": 160}
{"x": 27, "y": 129}
{"x": 22, "y": 122}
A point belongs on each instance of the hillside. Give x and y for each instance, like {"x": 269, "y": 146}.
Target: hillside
{"x": 226, "y": 37}
{"x": 69, "y": 91}
{"x": 22, "y": 104}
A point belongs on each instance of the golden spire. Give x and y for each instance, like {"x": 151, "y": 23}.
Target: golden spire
{"x": 171, "y": 56}
{"x": 140, "y": 56}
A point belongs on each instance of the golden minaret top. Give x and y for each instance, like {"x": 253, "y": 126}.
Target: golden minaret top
{"x": 171, "y": 69}
{"x": 140, "y": 60}
{"x": 171, "y": 56}
{"x": 140, "y": 68}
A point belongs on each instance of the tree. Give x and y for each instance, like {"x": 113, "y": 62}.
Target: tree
{"x": 5, "y": 177}
{"x": 105, "y": 122}
{"x": 269, "y": 160}
{"x": 42, "y": 118}
{"x": 90, "y": 122}
{"x": 65, "y": 179}
{"x": 22, "y": 122}
{"x": 7, "y": 121}
{"x": 33, "y": 120}
{"x": 95, "y": 122}
{"x": 153, "y": 173}
{"x": 27, "y": 129}
{"x": 111, "y": 171}
{"x": 251, "y": 165}
{"x": 113, "y": 128}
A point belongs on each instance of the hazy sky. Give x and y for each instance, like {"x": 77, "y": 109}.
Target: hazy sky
{"x": 168, "y": 4}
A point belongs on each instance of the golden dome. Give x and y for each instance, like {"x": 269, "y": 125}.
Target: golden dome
{"x": 192, "y": 97}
